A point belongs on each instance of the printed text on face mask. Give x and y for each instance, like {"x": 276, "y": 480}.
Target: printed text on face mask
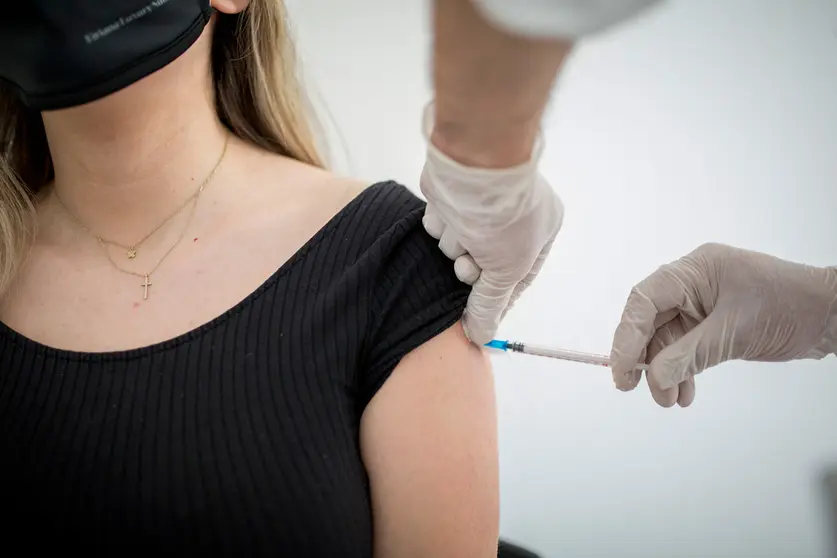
{"x": 103, "y": 32}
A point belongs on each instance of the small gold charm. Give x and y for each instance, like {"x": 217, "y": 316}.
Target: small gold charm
{"x": 145, "y": 286}
{"x": 132, "y": 253}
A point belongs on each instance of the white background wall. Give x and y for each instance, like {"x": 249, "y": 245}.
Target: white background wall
{"x": 707, "y": 120}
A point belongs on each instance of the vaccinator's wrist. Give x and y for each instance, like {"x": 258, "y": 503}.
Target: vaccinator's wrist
{"x": 488, "y": 145}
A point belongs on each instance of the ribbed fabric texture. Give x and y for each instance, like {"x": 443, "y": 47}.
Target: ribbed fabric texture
{"x": 239, "y": 438}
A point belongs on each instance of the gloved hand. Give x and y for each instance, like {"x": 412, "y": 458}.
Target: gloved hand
{"x": 721, "y": 303}
{"x": 498, "y": 226}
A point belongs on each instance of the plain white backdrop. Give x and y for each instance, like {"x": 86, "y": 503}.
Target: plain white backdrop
{"x": 705, "y": 120}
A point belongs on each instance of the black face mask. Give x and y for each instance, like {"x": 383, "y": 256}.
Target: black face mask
{"x": 61, "y": 53}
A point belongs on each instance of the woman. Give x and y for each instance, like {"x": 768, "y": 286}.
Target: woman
{"x": 209, "y": 344}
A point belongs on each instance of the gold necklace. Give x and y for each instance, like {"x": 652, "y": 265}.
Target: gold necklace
{"x": 132, "y": 249}
{"x": 146, "y": 277}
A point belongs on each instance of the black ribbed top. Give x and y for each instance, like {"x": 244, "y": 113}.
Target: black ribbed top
{"x": 241, "y": 437}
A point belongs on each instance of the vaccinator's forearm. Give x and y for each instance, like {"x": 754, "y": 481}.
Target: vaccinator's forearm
{"x": 491, "y": 87}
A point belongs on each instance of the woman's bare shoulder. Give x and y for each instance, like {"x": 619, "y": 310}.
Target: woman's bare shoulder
{"x": 280, "y": 184}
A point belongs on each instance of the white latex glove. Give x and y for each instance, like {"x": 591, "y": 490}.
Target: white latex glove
{"x": 717, "y": 304}
{"x": 498, "y": 226}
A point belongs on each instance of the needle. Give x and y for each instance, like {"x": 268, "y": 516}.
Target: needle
{"x": 560, "y": 354}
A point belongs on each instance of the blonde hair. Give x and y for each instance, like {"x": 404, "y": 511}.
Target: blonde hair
{"x": 258, "y": 97}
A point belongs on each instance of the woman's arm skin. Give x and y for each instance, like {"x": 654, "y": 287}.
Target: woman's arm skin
{"x": 429, "y": 442}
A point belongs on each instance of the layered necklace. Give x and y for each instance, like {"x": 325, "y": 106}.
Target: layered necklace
{"x": 130, "y": 251}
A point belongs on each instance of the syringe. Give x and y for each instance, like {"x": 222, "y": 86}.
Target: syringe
{"x": 561, "y": 354}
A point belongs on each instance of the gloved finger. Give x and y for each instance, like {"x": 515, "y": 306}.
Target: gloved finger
{"x": 432, "y": 222}
{"x": 530, "y": 277}
{"x": 687, "y": 392}
{"x": 466, "y": 269}
{"x": 449, "y": 244}
{"x": 518, "y": 290}
{"x": 662, "y": 291}
{"x": 627, "y": 382}
{"x": 664, "y": 336}
{"x": 540, "y": 260}
{"x": 486, "y": 303}
{"x": 667, "y": 334}
{"x": 697, "y": 350}
{"x": 664, "y": 397}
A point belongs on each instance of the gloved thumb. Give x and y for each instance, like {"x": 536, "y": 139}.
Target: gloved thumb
{"x": 704, "y": 346}
{"x": 486, "y": 303}
{"x": 466, "y": 269}
{"x": 432, "y": 222}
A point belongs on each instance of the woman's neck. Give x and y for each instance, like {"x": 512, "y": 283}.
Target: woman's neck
{"x": 127, "y": 161}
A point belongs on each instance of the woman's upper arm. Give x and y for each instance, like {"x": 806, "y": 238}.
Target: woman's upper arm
{"x": 429, "y": 443}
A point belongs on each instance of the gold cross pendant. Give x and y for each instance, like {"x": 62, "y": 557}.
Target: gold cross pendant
{"x": 145, "y": 286}
{"x": 132, "y": 253}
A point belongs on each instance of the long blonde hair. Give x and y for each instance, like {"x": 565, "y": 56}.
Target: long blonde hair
{"x": 258, "y": 96}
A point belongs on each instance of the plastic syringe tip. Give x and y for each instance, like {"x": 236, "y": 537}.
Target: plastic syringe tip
{"x": 497, "y": 344}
